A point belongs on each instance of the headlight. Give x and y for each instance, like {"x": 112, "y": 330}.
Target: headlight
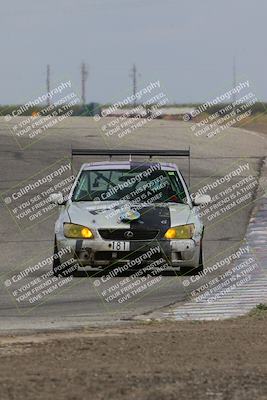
{"x": 77, "y": 231}
{"x": 180, "y": 232}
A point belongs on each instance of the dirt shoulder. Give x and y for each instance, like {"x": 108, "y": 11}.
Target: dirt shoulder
{"x": 255, "y": 123}
{"x": 170, "y": 360}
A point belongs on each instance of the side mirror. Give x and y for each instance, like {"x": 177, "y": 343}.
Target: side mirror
{"x": 57, "y": 198}
{"x": 201, "y": 199}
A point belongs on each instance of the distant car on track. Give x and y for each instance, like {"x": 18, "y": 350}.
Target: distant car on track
{"x": 118, "y": 210}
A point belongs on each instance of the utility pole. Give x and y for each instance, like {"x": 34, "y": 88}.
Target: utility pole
{"x": 84, "y": 76}
{"x": 234, "y": 78}
{"x": 48, "y": 83}
{"x": 133, "y": 75}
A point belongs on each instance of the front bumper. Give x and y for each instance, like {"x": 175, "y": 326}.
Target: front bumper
{"x": 99, "y": 253}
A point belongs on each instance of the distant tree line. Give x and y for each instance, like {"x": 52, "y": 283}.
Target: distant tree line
{"x": 87, "y": 110}
{"x": 92, "y": 109}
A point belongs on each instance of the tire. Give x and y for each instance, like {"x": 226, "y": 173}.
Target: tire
{"x": 196, "y": 270}
{"x": 200, "y": 267}
{"x": 57, "y": 271}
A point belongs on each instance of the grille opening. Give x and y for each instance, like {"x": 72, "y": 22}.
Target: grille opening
{"x": 123, "y": 234}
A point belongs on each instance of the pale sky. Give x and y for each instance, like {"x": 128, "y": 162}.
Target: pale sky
{"x": 187, "y": 45}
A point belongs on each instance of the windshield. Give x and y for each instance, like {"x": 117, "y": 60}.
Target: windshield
{"x": 135, "y": 185}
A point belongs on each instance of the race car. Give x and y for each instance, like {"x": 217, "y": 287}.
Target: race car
{"x": 118, "y": 212}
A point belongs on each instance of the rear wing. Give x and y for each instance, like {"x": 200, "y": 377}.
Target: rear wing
{"x": 133, "y": 152}
{"x": 149, "y": 153}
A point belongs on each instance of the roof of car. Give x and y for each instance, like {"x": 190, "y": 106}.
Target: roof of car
{"x": 104, "y": 165}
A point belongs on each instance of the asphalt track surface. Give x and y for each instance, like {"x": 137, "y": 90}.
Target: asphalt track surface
{"x": 81, "y": 303}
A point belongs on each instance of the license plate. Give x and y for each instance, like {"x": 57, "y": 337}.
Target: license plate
{"x": 121, "y": 246}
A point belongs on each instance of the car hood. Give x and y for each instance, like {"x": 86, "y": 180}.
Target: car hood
{"x": 110, "y": 214}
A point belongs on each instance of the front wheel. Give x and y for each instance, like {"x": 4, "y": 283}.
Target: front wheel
{"x": 66, "y": 269}
{"x": 200, "y": 267}
{"x": 197, "y": 270}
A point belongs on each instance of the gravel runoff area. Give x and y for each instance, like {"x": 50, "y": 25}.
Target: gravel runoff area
{"x": 149, "y": 361}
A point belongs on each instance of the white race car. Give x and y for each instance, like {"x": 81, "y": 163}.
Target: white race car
{"x": 121, "y": 211}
